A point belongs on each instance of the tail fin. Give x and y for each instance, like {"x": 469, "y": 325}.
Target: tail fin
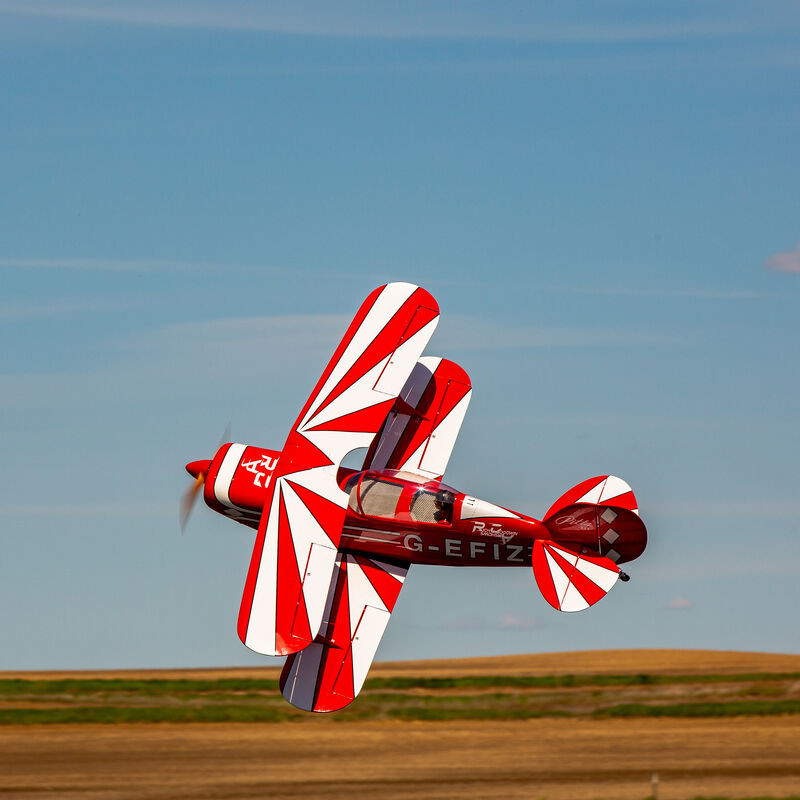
{"x": 600, "y": 514}
{"x": 571, "y": 581}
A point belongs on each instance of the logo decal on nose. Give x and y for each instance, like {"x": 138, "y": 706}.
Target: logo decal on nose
{"x": 255, "y": 466}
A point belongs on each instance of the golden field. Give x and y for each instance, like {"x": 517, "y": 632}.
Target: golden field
{"x": 571, "y": 745}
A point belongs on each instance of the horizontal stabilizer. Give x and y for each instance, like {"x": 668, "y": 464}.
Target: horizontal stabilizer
{"x": 571, "y": 581}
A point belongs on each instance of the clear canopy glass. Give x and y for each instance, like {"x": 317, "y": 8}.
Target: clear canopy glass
{"x": 403, "y": 496}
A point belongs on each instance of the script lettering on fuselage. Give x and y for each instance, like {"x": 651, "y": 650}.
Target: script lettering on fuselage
{"x": 259, "y": 467}
{"x": 494, "y": 529}
{"x": 576, "y": 523}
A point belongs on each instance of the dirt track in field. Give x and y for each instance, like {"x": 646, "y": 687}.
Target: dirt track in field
{"x": 553, "y": 758}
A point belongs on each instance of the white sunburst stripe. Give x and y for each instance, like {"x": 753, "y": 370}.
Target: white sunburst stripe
{"x": 403, "y": 359}
{"x": 560, "y": 580}
{"x": 593, "y": 495}
{"x": 573, "y": 600}
{"x": 261, "y": 637}
{"x": 337, "y": 444}
{"x": 359, "y": 395}
{"x": 382, "y": 381}
{"x": 368, "y": 619}
{"x": 315, "y": 555}
{"x": 603, "y": 577}
{"x": 306, "y": 529}
{"x": 361, "y": 592}
{"x": 432, "y": 456}
{"x": 386, "y": 305}
{"x": 318, "y": 480}
{"x": 613, "y": 487}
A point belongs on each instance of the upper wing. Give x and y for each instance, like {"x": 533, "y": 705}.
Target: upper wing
{"x": 298, "y": 535}
{"x": 329, "y": 673}
{"x": 419, "y": 433}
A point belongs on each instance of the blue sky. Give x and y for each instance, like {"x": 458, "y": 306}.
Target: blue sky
{"x": 195, "y": 198}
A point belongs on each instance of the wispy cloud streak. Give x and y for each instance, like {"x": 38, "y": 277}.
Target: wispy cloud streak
{"x": 511, "y": 21}
{"x": 463, "y": 332}
{"x": 504, "y": 622}
{"x": 678, "y": 603}
{"x": 15, "y": 312}
{"x": 787, "y": 261}
{"x": 688, "y": 293}
{"x": 102, "y": 264}
{"x": 89, "y": 510}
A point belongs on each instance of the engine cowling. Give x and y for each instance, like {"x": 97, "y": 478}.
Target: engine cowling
{"x": 238, "y": 481}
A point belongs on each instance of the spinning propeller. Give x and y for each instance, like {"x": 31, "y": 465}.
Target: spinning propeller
{"x": 198, "y": 470}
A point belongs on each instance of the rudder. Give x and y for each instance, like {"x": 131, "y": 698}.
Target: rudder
{"x": 601, "y": 514}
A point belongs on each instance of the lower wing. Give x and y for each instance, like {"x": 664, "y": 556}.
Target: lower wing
{"x": 328, "y": 674}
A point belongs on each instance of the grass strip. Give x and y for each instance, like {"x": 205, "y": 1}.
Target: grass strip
{"x": 158, "y": 686}
{"x": 566, "y": 681}
{"x": 115, "y": 714}
{"x": 154, "y": 686}
{"x": 434, "y": 711}
{"x": 732, "y": 709}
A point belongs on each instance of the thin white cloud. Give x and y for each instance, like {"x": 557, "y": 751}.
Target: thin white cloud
{"x": 512, "y": 21}
{"x": 250, "y": 351}
{"x": 177, "y": 361}
{"x": 515, "y": 622}
{"x": 691, "y": 293}
{"x": 101, "y": 264}
{"x": 10, "y": 312}
{"x": 679, "y": 602}
{"x": 463, "y": 332}
{"x": 465, "y": 623}
{"x": 787, "y": 261}
{"x": 93, "y": 510}
{"x": 474, "y": 622}
{"x": 244, "y": 338}
{"x": 759, "y": 508}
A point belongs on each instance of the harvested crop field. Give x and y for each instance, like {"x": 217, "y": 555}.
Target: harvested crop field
{"x": 579, "y": 725}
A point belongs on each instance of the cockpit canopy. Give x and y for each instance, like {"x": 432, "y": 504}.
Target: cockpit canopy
{"x": 402, "y": 496}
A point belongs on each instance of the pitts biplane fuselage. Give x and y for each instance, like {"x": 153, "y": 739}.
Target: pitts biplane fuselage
{"x": 401, "y": 516}
{"x": 333, "y": 545}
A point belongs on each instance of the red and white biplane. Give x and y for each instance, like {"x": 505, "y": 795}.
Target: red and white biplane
{"x": 333, "y": 545}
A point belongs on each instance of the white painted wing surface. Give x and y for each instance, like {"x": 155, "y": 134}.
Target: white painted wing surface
{"x": 298, "y": 536}
{"x": 329, "y": 674}
{"x": 421, "y": 430}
